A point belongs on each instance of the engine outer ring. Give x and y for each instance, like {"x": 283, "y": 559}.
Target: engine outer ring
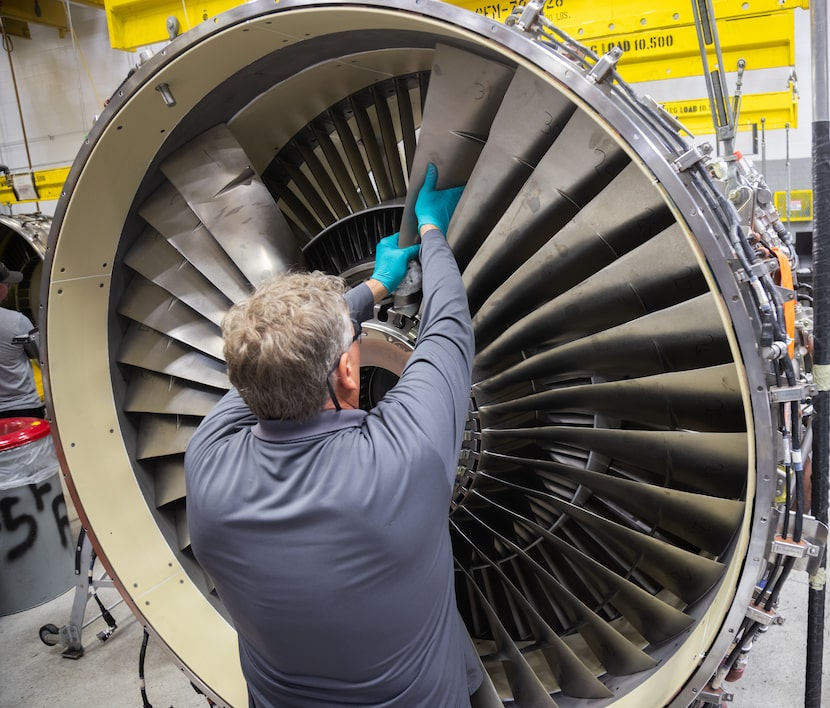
{"x": 79, "y": 370}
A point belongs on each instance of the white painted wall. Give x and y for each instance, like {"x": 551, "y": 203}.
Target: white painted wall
{"x": 63, "y": 83}
{"x": 784, "y": 156}
{"x": 758, "y": 81}
{"x": 61, "y": 86}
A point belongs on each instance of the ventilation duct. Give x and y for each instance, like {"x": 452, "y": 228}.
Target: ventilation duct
{"x": 615, "y": 484}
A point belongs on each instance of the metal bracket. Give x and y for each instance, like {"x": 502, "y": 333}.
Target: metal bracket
{"x": 764, "y": 267}
{"x": 788, "y": 547}
{"x": 659, "y": 108}
{"x": 715, "y": 696}
{"x": 70, "y": 635}
{"x": 526, "y": 19}
{"x": 808, "y": 551}
{"x": 762, "y": 616}
{"x": 759, "y": 270}
{"x": 605, "y": 65}
{"x": 782, "y": 394}
{"x": 786, "y": 294}
{"x": 172, "y": 27}
{"x": 688, "y": 159}
{"x": 23, "y": 186}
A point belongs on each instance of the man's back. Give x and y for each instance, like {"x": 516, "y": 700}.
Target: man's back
{"x": 335, "y": 566}
{"x": 328, "y": 539}
{"x": 17, "y": 386}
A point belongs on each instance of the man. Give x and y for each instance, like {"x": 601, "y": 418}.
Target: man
{"x": 324, "y": 527}
{"x": 18, "y": 344}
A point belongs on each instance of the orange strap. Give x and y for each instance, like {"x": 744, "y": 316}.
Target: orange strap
{"x": 784, "y": 278}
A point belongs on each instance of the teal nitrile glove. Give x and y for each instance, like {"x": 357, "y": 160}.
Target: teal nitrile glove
{"x": 390, "y": 261}
{"x": 435, "y": 206}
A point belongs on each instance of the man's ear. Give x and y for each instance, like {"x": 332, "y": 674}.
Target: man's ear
{"x": 348, "y": 373}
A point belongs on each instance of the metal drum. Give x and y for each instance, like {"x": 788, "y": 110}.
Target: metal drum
{"x": 36, "y": 546}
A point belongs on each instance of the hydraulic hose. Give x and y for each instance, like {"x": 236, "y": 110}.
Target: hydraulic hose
{"x": 821, "y": 334}
{"x": 141, "y": 655}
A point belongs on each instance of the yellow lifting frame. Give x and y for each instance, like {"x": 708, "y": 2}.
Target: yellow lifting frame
{"x": 777, "y": 109}
{"x": 762, "y": 41}
{"x": 16, "y": 28}
{"x": 660, "y": 42}
{"x": 47, "y": 183}
{"x": 52, "y": 13}
{"x": 136, "y": 23}
{"x": 584, "y": 20}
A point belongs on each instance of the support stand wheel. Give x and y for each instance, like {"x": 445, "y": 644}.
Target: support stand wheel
{"x": 49, "y": 634}
{"x": 69, "y": 635}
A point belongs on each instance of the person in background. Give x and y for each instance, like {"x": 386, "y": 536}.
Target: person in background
{"x": 18, "y": 344}
{"x": 324, "y": 526}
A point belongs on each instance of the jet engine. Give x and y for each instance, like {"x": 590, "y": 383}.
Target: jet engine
{"x": 615, "y": 488}
{"x": 23, "y": 240}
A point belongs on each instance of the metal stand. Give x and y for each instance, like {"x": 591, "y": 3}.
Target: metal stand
{"x": 86, "y": 586}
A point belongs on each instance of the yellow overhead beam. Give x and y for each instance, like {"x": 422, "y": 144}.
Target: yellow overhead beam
{"x": 659, "y": 39}
{"x": 136, "y": 23}
{"x": 52, "y": 13}
{"x": 38, "y": 186}
{"x": 762, "y": 41}
{"x": 660, "y": 36}
{"x": 584, "y": 20}
{"x": 16, "y": 28}
{"x": 588, "y": 19}
{"x": 777, "y": 110}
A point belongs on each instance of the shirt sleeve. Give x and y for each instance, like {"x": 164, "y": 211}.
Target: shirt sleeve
{"x": 361, "y": 302}
{"x": 23, "y": 326}
{"x": 429, "y": 404}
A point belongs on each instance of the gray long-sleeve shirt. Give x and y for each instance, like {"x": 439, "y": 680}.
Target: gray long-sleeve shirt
{"x": 328, "y": 540}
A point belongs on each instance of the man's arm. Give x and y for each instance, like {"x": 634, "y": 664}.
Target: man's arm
{"x": 433, "y": 393}
{"x": 28, "y": 336}
{"x": 361, "y": 300}
{"x": 430, "y": 401}
{"x": 378, "y": 289}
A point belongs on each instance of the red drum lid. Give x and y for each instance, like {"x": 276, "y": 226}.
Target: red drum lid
{"x": 15, "y": 432}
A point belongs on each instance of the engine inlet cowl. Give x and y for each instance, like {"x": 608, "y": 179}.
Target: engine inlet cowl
{"x": 608, "y": 520}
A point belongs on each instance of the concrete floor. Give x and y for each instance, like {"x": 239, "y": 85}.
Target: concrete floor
{"x": 33, "y": 675}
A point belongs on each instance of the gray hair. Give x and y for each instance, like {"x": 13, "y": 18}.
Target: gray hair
{"x": 281, "y": 344}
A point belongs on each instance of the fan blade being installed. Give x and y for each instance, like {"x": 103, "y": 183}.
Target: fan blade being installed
{"x": 618, "y": 466}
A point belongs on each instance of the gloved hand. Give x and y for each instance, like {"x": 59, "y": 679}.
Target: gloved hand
{"x": 390, "y": 261}
{"x": 435, "y": 206}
